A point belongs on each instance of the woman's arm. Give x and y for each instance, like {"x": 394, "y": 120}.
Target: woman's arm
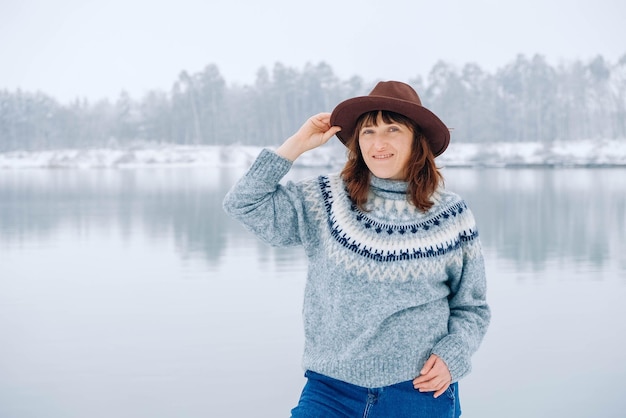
{"x": 274, "y": 212}
{"x": 469, "y": 312}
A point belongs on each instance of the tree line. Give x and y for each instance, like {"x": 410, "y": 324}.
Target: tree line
{"x": 526, "y": 100}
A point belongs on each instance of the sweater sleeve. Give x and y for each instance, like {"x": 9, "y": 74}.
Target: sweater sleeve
{"x": 266, "y": 208}
{"x": 469, "y": 312}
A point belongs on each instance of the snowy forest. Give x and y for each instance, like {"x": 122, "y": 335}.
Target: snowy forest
{"x": 526, "y": 100}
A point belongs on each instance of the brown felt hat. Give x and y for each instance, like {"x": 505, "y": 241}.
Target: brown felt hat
{"x": 396, "y": 97}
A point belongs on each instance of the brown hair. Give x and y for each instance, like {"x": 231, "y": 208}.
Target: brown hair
{"x": 422, "y": 174}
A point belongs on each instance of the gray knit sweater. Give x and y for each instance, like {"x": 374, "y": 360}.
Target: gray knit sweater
{"x": 386, "y": 287}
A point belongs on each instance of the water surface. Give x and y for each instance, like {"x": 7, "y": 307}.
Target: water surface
{"x": 129, "y": 293}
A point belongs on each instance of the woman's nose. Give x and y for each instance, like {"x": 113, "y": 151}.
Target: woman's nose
{"x": 379, "y": 142}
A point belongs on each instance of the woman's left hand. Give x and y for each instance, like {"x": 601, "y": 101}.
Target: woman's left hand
{"x": 434, "y": 376}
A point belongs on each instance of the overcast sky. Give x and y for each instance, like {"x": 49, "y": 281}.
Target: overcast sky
{"x": 96, "y": 49}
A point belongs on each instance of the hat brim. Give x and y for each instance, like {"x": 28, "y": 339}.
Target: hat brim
{"x": 347, "y": 112}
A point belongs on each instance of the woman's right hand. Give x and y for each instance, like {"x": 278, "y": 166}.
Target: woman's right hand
{"x": 314, "y": 132}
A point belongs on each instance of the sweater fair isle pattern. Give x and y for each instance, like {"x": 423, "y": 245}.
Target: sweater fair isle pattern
{"x": 386, "y": 287}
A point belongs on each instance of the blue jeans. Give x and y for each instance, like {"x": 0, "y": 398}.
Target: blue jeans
{"x": 325, "y": 397}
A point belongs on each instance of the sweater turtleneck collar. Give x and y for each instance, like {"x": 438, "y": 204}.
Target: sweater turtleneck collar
{"x": 388, "y": 187}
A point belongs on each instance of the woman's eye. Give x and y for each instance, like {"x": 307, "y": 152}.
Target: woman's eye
{"x": 367, "y": 132}
{"x": 393, "y": 129}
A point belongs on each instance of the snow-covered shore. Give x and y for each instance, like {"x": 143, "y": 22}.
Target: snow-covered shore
{"x": 565, "y": 154}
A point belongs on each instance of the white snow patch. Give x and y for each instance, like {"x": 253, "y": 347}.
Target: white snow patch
{"x": 503, "y": 154}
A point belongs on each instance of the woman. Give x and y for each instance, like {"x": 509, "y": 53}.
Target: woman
{"x": 395, "y": 298}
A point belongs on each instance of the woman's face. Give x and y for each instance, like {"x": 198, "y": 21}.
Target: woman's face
{"x": 386, "y": 148}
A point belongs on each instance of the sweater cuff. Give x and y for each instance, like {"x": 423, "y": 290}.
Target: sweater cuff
{"x": 451, "y": 351}
{"x": 269, "y": 166}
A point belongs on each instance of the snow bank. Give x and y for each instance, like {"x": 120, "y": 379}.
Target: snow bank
{"x": 163, "y": 155}
{"x": 567, "y": 154}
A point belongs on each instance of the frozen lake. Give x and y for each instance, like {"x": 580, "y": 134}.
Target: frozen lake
{"x": 128, "y": 293}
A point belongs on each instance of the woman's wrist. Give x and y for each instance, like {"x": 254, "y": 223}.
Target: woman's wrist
{"x": 290, "y": 149}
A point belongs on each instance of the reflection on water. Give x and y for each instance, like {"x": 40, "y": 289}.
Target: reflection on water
{"x": 130, "y": 293}
{"x": 533, "y": 217}
{"x": 182, "y": 205}
{"x": 528, "y": 216}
